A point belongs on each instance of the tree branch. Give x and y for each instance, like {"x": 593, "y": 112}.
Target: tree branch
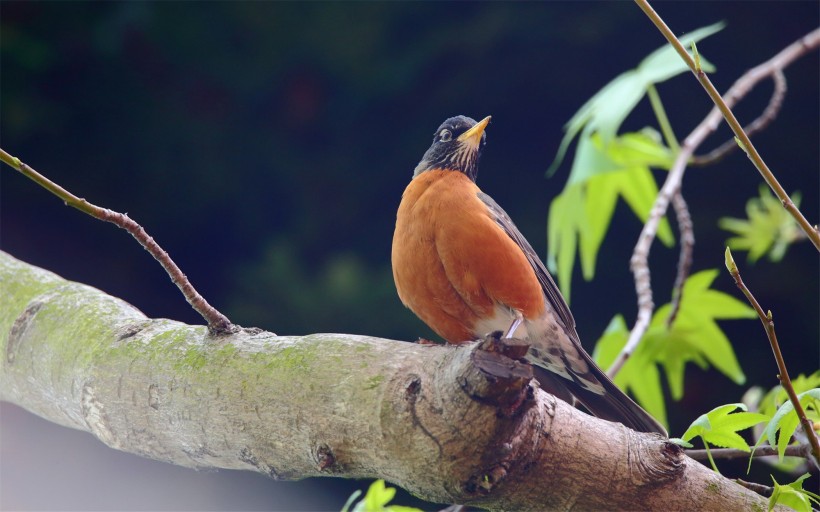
{"x": 768, "y": 115}
{"x": 217, "y": 322}
{"x": 760, "y": 451}
{"x": 450, "y": 424}
{"x": 687, "y": 245}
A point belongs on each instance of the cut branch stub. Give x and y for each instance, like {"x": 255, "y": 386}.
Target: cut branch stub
{"x": 499, "y": 375}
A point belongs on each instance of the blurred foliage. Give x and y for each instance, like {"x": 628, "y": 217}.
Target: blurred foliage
{"x": 607, "y": 166}
{"x": 342, "y": 295}
{"x": 769, "y": 228}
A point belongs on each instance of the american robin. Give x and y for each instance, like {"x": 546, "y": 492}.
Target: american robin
{"x": 462, "y": 266}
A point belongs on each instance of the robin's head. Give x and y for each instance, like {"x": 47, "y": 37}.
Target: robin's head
{"x": 456, "y": 146}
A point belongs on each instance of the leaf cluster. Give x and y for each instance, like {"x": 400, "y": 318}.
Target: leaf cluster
{"x": 694, "y": 337}
{"x": 608, "y": 166}
{"x": 767, "y": 230}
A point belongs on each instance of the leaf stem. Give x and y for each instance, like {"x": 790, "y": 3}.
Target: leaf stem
{"x": 663, "y": 120}
{"x": 809, "y": 41}
{"x": 783, "y": 372}
{"x": 709, "y": 455}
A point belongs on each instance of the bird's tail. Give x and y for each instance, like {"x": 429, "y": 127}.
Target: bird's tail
{"x": 612, "y": 405}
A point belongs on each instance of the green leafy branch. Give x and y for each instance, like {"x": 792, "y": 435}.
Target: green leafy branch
{"x": 639, "y": 262}
{"x": 768, "y": 404}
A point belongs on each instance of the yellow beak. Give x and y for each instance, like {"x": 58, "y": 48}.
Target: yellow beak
{"x": 473, "y": 135}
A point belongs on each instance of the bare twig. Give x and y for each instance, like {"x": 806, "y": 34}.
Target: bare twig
{"x": 783, "y": 373}
{"x": 687, "y": 244}
{"x": 762, "y": 451}
{"x": 763, "y": 490}
{"x": 639, "y": 263}
{"x": 217, "y": 322}
{"x": 768, "y": 115}
{"x": 780, "y": 61}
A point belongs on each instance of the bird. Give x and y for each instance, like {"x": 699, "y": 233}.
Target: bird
{"x": 463, "y": 267}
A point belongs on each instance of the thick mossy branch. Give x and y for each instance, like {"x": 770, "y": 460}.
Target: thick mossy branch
{"x": 451, "y": 424}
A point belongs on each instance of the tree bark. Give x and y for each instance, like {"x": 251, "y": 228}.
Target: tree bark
{"x": 450, "y": 424}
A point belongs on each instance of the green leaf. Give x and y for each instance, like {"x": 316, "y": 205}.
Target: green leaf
{"x": 606, "y": 110}
{"x": 694, "y": 337}
{"x": 696, "y": 332}
{"x": 567, "y": 222}
{"x": 793, "y": 495}
{"x": 599, "y": 152}
{"x": 786, "y": 421}
{"x": 665, "y": 63}
{"x": 581, "y": 214}
{"x": 768, "y": 230}
{"x": 378, "y": 495}
{"x": 719, "y": 426}
{"x": 376, "y": 500}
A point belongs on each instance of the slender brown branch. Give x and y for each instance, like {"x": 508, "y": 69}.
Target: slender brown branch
{"x": 797, "y": 49}
{"x": 763, "y": 490}
{"x": 639, "y": 263}
{"x": 217, "y": 322}
{"x": 687, "y": 245}
{"x": 783, "y": 373}
{"x": 766, "y": 117}
{"x": 762, "y": 451}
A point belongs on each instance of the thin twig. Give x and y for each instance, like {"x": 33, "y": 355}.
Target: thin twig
{"x": 687, "y": 245}
{"x": 783, "y": 373}
{"x": 639, "y": 263}
{"x": 768, "y": 115}
{"x": 761, "y": 451}
{"x": 763, "y": 490}
{"x": 793, "y": 51}
{"x": 217, "y": 322}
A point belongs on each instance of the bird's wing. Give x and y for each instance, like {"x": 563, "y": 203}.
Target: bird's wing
{"x": 547, "y": 284}
{"x": 591, "y": 387}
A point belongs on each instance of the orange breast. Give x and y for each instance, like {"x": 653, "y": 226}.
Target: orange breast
{"x": 452, "y": 263}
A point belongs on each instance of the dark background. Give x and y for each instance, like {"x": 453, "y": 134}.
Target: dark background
{"x": 265, "y": 146}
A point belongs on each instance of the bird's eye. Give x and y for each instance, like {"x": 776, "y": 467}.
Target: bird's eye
{"x": 445, "y": 135}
